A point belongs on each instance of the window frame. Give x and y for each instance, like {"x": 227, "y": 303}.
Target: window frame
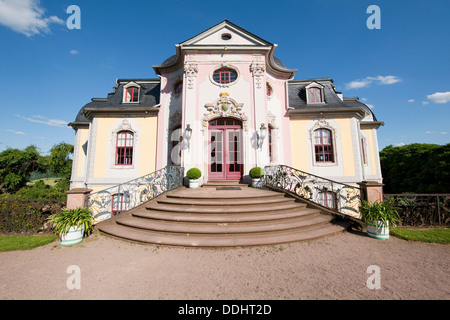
{"x": 325, "y": 196}
{"x": 311, "y": 88}
{"x": 324, "y": 146}
{"x": 133, "y": 86}
{"x": 123, "y": 200}
{"x": 124, "y": 148}
{"x": 217, "y": 76}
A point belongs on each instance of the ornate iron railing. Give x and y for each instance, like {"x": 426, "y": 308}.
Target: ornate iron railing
{"x": 422, "y": 209}
{"x": 111, "y": 201}
{"x": 334, "y": 195}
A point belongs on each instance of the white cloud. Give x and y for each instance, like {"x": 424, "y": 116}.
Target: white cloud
{"x": 425, "y": 103}
{"x": 74, "y": 52}
{"x": 371, "y": 106}
{"x": 45, "y": 120}
{"x": 26, "y": 17}
{"x": 367, "y": 81}
{"x": 439, "y": 97}
{"x": 443, "y": 132}
{"x": 430, "y": 132}
{"x": 411, "y": 100}
{"x": 20, "y": 133}
{"x": 399, "y": 144}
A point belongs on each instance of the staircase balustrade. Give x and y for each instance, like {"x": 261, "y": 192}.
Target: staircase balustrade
{"x": 111, "y": 201}
{"x": 333, "y": 195}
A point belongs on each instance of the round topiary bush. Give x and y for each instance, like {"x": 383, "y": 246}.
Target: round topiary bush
{"x": 256, "y": 173}
{"x": 194, "y": 173}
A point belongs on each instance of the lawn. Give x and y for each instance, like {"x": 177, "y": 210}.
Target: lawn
{"x": 9, "y": 243}
{"x": 436, "y": 235}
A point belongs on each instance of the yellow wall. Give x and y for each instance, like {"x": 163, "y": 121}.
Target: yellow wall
{"x": 299, "y": 141}
{"x": 146, "y": 144}
{"x": 346, "y": 146}
{"x": 83, "y": 133}
{"x": 371, "y": 150}
{"x": 101, "y": 145}
{"x": 148, "y": 134}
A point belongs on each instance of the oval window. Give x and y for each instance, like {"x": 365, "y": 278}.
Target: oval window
{"x": 225, "y": 75}
{"x": 226, "y": 36}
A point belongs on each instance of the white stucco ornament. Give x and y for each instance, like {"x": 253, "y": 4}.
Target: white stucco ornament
{"x": 224, "y": 107}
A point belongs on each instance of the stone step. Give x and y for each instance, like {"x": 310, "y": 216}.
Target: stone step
{"x": 221, "y": 228}
{"x": 225, "y": 202}
{"x": 220, "y": 240}
{"x": 225, "y": 208}
{"x": 225, "y": 217}
{"x": 211, "y": 193}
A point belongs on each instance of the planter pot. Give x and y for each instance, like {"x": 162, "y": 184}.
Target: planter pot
{"x": 73, "y": 236}
{"x": 379, "y": 231}
{"x": 193, "y": 184}
{"x": 256, "y": 182}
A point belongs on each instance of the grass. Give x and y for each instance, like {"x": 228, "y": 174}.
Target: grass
{"x": 435, "y": 235}
{"x": 9, "y": 243}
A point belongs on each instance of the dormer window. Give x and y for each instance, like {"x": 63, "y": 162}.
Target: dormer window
{"x": 131, "y": 93}
{"x": 314, "y": 93}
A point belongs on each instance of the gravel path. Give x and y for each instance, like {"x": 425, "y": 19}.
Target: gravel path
{"x": 330, "y": 268}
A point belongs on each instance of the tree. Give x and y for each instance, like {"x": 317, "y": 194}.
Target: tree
{"x": 17, "y": 165}
{"x": 60, "y": 161}
{"x": 417, "y": 168}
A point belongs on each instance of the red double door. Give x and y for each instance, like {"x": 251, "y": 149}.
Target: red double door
{"x": 225, "y": 149}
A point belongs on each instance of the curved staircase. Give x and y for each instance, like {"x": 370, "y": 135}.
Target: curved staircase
{"x": 221, "y": 214}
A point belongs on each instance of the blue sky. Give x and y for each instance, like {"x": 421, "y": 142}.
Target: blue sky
{"x": 48, "y": 72}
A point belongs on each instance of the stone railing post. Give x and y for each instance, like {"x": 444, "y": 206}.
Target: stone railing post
{"x": 77, "y": 197}
{"x": 372, "y": 191}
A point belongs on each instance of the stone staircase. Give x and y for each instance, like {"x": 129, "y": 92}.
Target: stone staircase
{"x": 221, "y": 214}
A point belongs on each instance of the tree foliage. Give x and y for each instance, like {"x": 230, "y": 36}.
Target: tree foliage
{"x": 16, "y": 166}
{"x": 59, "y": 161}
{"x": 416, "y": 168}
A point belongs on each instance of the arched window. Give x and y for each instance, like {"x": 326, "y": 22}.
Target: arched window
{"x": 120, "y": 202}
{"x": 225, "y": 75}
{"x": 270, "y": 143}
{"x": 323, "y": 145}
{"x": 327, "y": 199}
{"x": 314, "y": 95}
{"x": 124, "y": 148}
{"x": 131, "y": 94}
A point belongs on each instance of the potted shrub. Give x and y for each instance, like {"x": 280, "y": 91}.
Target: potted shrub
{"x": 378, "y": 216}
{"x": 256, "y": 174}
{"x": 193, "y": 175}
{"x": 72, "y": 224}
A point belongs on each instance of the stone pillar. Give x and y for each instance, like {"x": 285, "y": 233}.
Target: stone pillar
{"x": 77, "y": 197}
{"x": 372, "y": 191}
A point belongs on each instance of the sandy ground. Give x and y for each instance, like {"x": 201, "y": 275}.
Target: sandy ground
{"x": 329, "y": 268}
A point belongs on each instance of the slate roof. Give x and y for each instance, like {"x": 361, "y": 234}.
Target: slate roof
{"x": 297, "y": 97}
{"x": 148, "y": 97}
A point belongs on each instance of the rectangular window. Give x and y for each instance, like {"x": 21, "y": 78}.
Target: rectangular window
{"x": 323, "y": 147}
{"x": 120, "y": 202}
{"x": 131, "y": 94}
{"x": 124, "y": 148}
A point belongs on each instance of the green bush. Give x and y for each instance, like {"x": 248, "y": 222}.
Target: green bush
{"x": 256, "y": 173}
{"x": 80, "y": 217}
{"x": 384, "y": 211}
{"x": 194, "y": 173}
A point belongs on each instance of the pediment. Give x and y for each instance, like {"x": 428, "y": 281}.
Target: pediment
{"x": 225, "y": 34}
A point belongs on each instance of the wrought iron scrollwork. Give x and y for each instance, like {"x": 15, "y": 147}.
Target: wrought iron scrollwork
{"x": 334, "y": 195}
{"x": 105, "y": 203}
